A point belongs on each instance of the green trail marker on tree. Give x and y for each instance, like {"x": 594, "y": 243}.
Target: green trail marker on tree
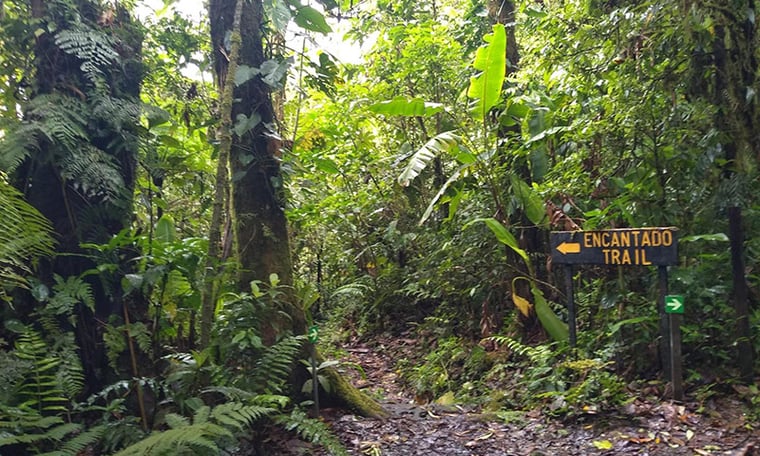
{"x": 674, "y": 304}
{"x": 313, "y": 334}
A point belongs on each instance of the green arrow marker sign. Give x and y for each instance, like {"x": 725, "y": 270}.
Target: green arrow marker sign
{"x": 674, "y": 304}
{"x": 313, "y": 334}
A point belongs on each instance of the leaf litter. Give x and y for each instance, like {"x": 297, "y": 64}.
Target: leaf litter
{"x": 418, "y": 428}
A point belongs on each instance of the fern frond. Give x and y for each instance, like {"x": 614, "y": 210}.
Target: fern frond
{"x": 240, "y": 416}
{"x": 80, "y": 442}
{"x": 59, "y": 119}
{"x": 534, "y": 354}
{"x": 93, "y": 48}
{"x": 24, "y": 235}
{"x": 312, "y": 430}
{"x": 70, "y": 375}
{"x": 175, "y": 441}
{"x": 40, "y": 390}
{"x": 94, "y": 173}
{"x": 68, "y": 293}
{"x": 274, "y": 366}
{"x": 176, "y": 421}
{"x": 35, "y": 429}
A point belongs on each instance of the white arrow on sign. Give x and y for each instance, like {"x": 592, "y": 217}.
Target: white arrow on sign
{"x": 674, "y": 304}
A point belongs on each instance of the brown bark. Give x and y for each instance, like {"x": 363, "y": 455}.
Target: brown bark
{"x": 79, "y": 217}
{"x": 222, "y": 179}
{"x": 731, "y": 75}
{"x": 258, "y": 197}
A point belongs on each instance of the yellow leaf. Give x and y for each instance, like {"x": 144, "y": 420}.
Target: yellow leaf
{"x": 603, "y": 444}
{"x": 447, "y": 399}
{"x": 522, "y": 304}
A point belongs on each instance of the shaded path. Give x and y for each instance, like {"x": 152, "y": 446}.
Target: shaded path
{"x": 431, "y": 430}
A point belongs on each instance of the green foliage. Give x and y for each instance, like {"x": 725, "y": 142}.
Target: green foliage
{"x": 452, "y": 363}
{"x": 206, "y": 434}
{"x": 311, "y": 430}
{"x": 93, "y": 48}
{"x": 26, "y": 427}
{"x": 439, "y": 144}
{"x": 40, "y": 390}
{"x": 24, "y": 236}
{"x": 275, "y": 365}
{"x": 491, "y": 61}
{"x": 560, "y": 387}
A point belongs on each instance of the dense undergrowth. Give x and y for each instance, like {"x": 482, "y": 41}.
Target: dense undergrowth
{"x": 420, "y": 188}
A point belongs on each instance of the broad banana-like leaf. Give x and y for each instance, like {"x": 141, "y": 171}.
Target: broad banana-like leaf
{"x": 502, "y": 235}
{"x": 164, "y": 231}
{"x": 555, "y": 327}
{"x": 278, "y": 13}
{"x": 491, "y": 61}
{"x": 400, "y": 106}
{"x": 437, "y": 144}
{"x": 531, "y": 201}
{"x": 454, "y": 177}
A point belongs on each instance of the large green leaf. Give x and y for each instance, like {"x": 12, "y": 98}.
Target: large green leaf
{"x": 400, "y": 106}
{"x": 530, "y": 200}
{"x": 311, "y": 19}
{"x": 491, "y": 61}
{"x": 278, "y": 13}
{"x": 555, "y": 327}
{"x": 502, "y": 235}
{"x": 454, "y": 177}
{"x": 443, "y": 142}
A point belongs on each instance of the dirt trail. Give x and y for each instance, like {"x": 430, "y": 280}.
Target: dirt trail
{"x": 645, "y": 428}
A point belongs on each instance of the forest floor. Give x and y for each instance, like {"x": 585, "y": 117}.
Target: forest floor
{"x": 645, "y": 427}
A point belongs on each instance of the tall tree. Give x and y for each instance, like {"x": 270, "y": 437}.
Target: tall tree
{"x": 258, "y": 197}
{"x": 735, "y": 79}
{"x": 75, "y": 152}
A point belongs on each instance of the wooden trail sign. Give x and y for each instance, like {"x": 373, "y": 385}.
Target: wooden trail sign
{"x": 626, "y": 246}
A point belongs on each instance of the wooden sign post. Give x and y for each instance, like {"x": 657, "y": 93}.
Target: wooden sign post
{"x": 628, "y": 247}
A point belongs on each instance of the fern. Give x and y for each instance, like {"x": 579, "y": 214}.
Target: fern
{"x": 80, "y": 442}
{"x": 68, "y": 293}
{"x": 24, "y": 236}
{"x": 534, "y": 354}
{"x": 94, "y": 173}
{"x": 203, "y": 435}
{"x": 240, "y": 395}
{"x": 40, "y": 390}
{"x": 275, "y": 365}
{"x": 92, "y": 47}
{"x": 49, "y": 118}
{"x": 312, "y": 430}
{"x": 29, "y": 428}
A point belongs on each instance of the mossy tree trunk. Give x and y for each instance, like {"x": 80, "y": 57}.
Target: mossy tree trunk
{"x": 89, "y": 207}
{"x": 258, "y": 196}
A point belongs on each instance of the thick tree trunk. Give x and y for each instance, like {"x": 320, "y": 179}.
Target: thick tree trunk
{"x": 745, "y": 350}
{"x": 258, "y": 197}
{"x": 731, "y": 76}
{"x": 78, "y": 216}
